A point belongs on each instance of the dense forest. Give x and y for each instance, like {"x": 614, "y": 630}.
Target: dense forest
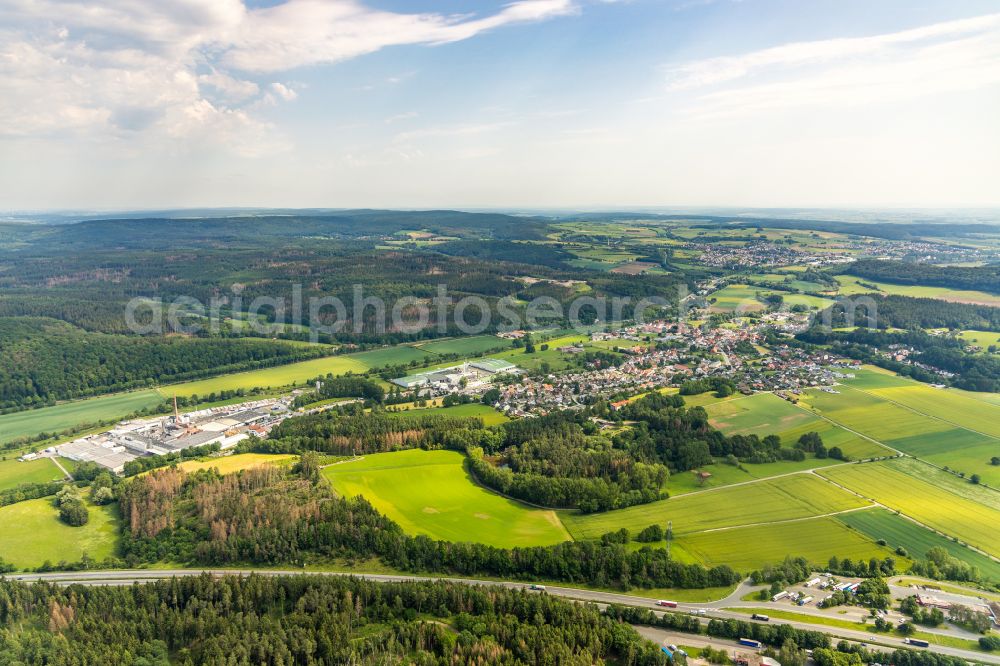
{"x": 271, "y": 516}
{"x": 326, "y": 620}
{"x": 44, "y": 360}
{"x": 909, "y": 313}
{"x": 976, "y": 278}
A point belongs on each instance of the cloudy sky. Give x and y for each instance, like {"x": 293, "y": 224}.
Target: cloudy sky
{"x": 472, "y": 103}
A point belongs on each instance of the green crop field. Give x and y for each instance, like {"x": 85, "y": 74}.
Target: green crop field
{"x": 14, "y": 473}
{"x": 297, "y": 373}
{"x": 926, "y": 502}
{"x": 849, "y": 286}
{"x": 740, "y": 297}
{"x": 916, "y": 539}
{"x": 949, "y": 428}
{"x": 785, "y": 498}
{"x": 429, "y": 492}
{"x": 766, "y": 414}
{"x": 749, "y": 548}
{"x": 489, "y": 415}
{"x": 471, "y": 346}
{"x": 236, "y": 463}
{"x": 726, "y": 475}
{"x": 73, "y": 414}
{"x": 811, "y": 302}
{"x": 31, "y": 533}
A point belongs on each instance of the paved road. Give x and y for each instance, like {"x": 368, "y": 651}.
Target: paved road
{"x": 601, "y": 599}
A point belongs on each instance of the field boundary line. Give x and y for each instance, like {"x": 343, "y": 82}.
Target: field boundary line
{"x": 917, "y": 411}
{"x": 912, "y": 519}
{"x": 850, "y": 430}
{"x": 783, "y": 522}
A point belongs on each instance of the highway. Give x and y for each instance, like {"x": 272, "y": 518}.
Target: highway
{"x": 601, "y": 599}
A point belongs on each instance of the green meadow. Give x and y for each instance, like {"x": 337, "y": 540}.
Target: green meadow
{"x": 984, "y": 339}
{"x": 31, "y": 534}
{"x": 742, "y": 297}
{"x": 931, "y": 503}
{"x": 430, "y": 492}
{"x": 749, "y": 548}
{"x": 74, "y": 414}
{"x": 766, "y": 414}
{"x": 916, "y": 539}
{"x": 14, "y": 473}
{"x": 298, "y": 373}
{"x": 786, "y": 498}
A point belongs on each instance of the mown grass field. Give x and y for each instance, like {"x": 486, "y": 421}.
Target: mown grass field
{"x": 73, "y": 414}
{"x": 489, "y": 415}
{"x": 14, "y": 473}
{"x": 298, "y": 373}
{"x": 917, "y": 540}
{"x": 928, "y": 503}
{"x": 31, "y": 533}
{"x": 476, "y": 344}
{"x": 429, "y": 492}
{"x": 236, "y": 463}
{"x": 766, "y": 414}
{"x": 785, "y": 498}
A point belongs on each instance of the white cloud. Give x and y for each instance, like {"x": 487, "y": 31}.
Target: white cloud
{"x": 283, "y": 91}
{"x": 186, "y": 67}
{"x": 309, "y": 32}
{"x": 910, "y": 62}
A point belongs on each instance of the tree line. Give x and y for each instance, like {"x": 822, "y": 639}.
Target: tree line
{"x": 323, "y": 620}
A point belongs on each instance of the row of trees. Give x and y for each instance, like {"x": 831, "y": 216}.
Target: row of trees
{"x": 321, "y": 620}
{"x": 977, "y": 278}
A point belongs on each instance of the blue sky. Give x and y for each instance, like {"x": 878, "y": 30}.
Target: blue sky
{"x": 535, "y": 103}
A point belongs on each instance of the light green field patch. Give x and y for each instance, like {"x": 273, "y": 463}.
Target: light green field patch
{"x": 74, "y": 414}
{"x": 298, "y": 373}
{"x": 766, "y": 414}
{"x": 850, "y": 285}
{"x": 750, "y": 548}
{"x": 984, "y": 339}
{"x": 31, "y": 533}
{"x": 926, "y": 502}
{"x": 477, "y": 344}
{"x": 737, "y": 298}
{"x": 489, "y": 415}
{"x": 429, "y": 492}
{"x": 725, "y": 475}
{"x": 236, "y": 463}
{"x": 14, "y": 473}
{"x": 785, "y": 498}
